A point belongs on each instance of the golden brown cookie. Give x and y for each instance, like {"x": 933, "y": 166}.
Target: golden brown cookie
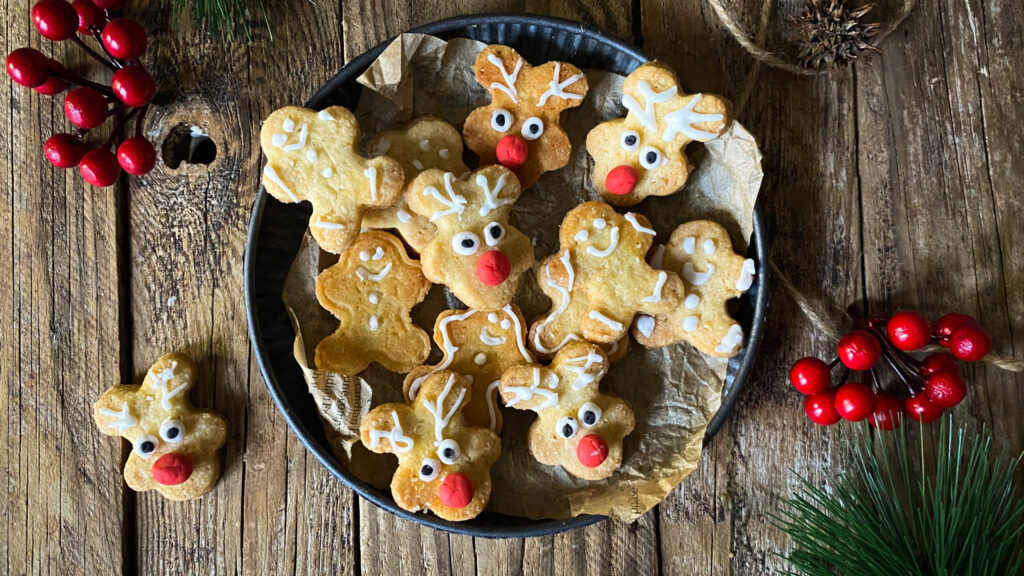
{"x": 371, "y": 290}
{"x": 480, "y": 346}
{"x": 519, "y": 128}
{"x": 476, "y": 253}
{"x": 643, "y": 154}
{"x": 701, "y": 253}
{"x": 577, "y": 427}
{"x": 174, "y": 445}
{"x": 599, "y": 279}
{"x": 443, "y": 465}
{"x": 314, "y": 156}
{"x": 426, "y": 142}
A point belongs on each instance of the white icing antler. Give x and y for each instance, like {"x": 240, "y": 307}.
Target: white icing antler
{"x": 557, "y": 88}
{"x": 682, "y": 120}
{"x": 523, "y": 393}
{"x": 646, "y": 114}
{"x": 583, "y": 376}
{"x": 161, "y": 380}
{"x": 509, "y": 87}
{"x": 491, "y": 200}
{"x": 123, "y": 418}
{"x": 437, "y": 409}
{"x": 456, "y": 203}
{"x": 400, "y": 443}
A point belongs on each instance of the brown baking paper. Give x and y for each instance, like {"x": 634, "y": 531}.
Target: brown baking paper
{"x": 674, "y": 391}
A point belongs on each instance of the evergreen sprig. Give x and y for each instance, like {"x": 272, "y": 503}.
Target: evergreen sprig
{"x": 896, "y": 511}
{"x": 223, "y": 18}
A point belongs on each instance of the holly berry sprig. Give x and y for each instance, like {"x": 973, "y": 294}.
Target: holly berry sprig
{"x": 927, "y": 387}
{"x": 89, "y": 104}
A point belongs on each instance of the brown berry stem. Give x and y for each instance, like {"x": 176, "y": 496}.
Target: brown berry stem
{"x": 99, "y": 40}
{"x": 79, "y": 81}
{"x": 121, "y": 121}
{"x": 96, "y": 55}
{"x": 874, "y": 381}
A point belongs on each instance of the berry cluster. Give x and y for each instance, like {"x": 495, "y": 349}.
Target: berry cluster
{"x": 88, "y": 104}
{"x": 931, "y": 385}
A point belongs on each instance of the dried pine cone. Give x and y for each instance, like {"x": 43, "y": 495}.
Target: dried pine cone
{"x": 828, "y": 34}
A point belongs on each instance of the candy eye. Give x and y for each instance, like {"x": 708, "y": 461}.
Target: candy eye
{"x": 465, "y": 243}
{"x": 650, "y": 157}
{"x": 145, "y": 445}
{"x": 493, "y": 233}
{"x": 566, "y": 427}
{"x": 448, "y": 451}
{"x": 590, "y": 414}
{"x": 629, "y": 140}
{"x": 172, "y": 430}
{"x": 532, "y": 128}
{"x": 501, "y": 120}
{"x": 429, "y": 469}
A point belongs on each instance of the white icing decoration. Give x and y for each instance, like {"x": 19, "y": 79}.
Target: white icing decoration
{"x": 161, "y": 380}
{"x": 611, "y": 245}
{"x": 519, "y": 332}
{"x": 400, "y": 443}
{"x": 447, "y": 347}
{"x": 491, "y": 201}
{"x": 480, "y": 359}
{"x": 611, "y": 323}
{"x": 374, "y": 323}
{"x": 324, "y": 115}
{"x": 709, "y": 246}
{"x": 321, "y": 223}
{"x": 523, "y": 393}
{"x": 311, "y": 155}
{"x": 689, "y": 243}
{"x": 271, "y": 175}
{"x": 690, "y": 323}
{"x": 455, "y": 202}
{"x": 365, "y": 274}
{"x": 424, "y": 145}
{"x": 490, "y": 340}
{"x": 600, "y": 223}
{"x": 505, "y": 324}
{"x": 279, "y": 140}
{"x": 327, "y": 173}
{"x": 746, "y": 275}
{"x": 631, "y": 217}
{"x": 509, "y": 87}
{"x": 556, "y": 88}
{"x": 656, "y": 295}
{"x": 562, "y": 305}
{"x": 288, "y": 125}
{"x": 583, "y": 376}
{"x": 378, "y": 253}
{"x": 646, "y": 114}
{"x": 364, "y": 255}
{"x": 658, "y": 256}
{"x": 614, "y": 347}
{"x": 437, "y": 408}
{"x": 444, "y": 153}
{"x": 303, "y": 133}
{"x": 123, "y": 417}
{"x": 371, "y": 174}
{"x": 403, "y": 216}
{"x": 697, "y": 278}
{"x": 733, "y": 338}
{"x": 682, "y": 120}
{"x": 691, "y": 301}
{"x": 581, "y": 236}
{"x": 382, "y": 147}
{"x": 491, "y": 401}
{"x": 645, "y": 324}
{"x": 492, "y": 317}
{"x": 374, "y": 297}
{"x": 417, "y": 164}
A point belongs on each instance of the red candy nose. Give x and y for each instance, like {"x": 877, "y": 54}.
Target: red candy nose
{"x": 172, "y": 469}
{"x": 456, "y": 490}
{"x": 621, "y": 180}
{"x": 493, "y": 267}
{"x": 592, "y": 450}
{"x": 512, "y": 151}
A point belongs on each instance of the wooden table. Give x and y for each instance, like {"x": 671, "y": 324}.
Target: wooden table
{"x": 899, "y": 181}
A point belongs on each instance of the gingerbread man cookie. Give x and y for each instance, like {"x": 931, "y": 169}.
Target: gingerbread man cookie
{"x": 476, "y": 253}
{"x": 598, "y": 280}
{"x": 480, "y": 346}
{"x": 174, "y": 445}
{"x": 643, "y": 154}
{"x": 371, "y": 290}
{"x": 314, "y": 156}
{"x": 577, "y": 427}
{"x": 701, "y": 253}
{"x": 422, "y": 144}
{"x": 519, "y": 128}
{"x": 443, "y": 465}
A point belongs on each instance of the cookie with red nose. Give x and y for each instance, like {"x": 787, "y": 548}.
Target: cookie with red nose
{"x": 519, "y": 128}
{"x": 644, "y": 153}
{"x": 476, "y": 252}
{"x": 174, "y": 445}
{"x": 577, "y": 427}
{"x": 444, "y": 465}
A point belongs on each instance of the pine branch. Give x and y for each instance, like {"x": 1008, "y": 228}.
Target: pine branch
{"x": 223, "y": 18}
{"x": 894, "y": 512}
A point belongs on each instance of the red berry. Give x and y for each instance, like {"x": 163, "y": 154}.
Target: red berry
{"x": 821, "y": 408}
{"x": 55, "y": 19}
{"x": 124, "y": 38}
{"x": 90, "y": 16}
{"x": 887, "y": 414}
{"x": 944, "y": 328}
{"x": 85, "y": 107}
{"x": 136, "y": 155}
{"x": 909, "y": 330}
{"x": 64, "y": 150}
{"x": 53, "y": 85}
{"x": 810, "y": 375}
{"x": 99, "y": 167}
{"x": 854, "y": 401}
{"x": 939, "y": 362}
{"x": 133, "y": 85}
{"x": 859, "y": 350}
{"x": 945, "y": 389}
{"x": 110, "y": 4}
{"x": 921, "y": 409}
{"x": 27, "y": 66}
{"x": 970, "y": 342}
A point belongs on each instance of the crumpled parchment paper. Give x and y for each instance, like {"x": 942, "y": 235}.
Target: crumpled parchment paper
{"x": 674, "y": 391}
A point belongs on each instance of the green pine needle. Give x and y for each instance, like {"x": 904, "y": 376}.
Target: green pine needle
{"x": 894, "y": 512}
{"x": 223, "y": 18}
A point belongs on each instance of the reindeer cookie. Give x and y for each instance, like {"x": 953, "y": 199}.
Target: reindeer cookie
{"x": 443, "y": 465}
{"x": 424, "y": 143}
{"x": 599, "y": 279}
{"x": 371, "y": 290}
{"x": 476, "y": 253}
{"x": 643, "y": 154}
{"x": 519, "y": 128}
{"x": 701, "y": 253}
{"x": 577, "y": 427}
{"x": 314, "y": 156}
{"x": 174, "y": 445}
{"x": 480, "y": 346}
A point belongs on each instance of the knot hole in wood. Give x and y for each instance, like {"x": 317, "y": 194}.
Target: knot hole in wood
{"x": 190, "y": 144}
